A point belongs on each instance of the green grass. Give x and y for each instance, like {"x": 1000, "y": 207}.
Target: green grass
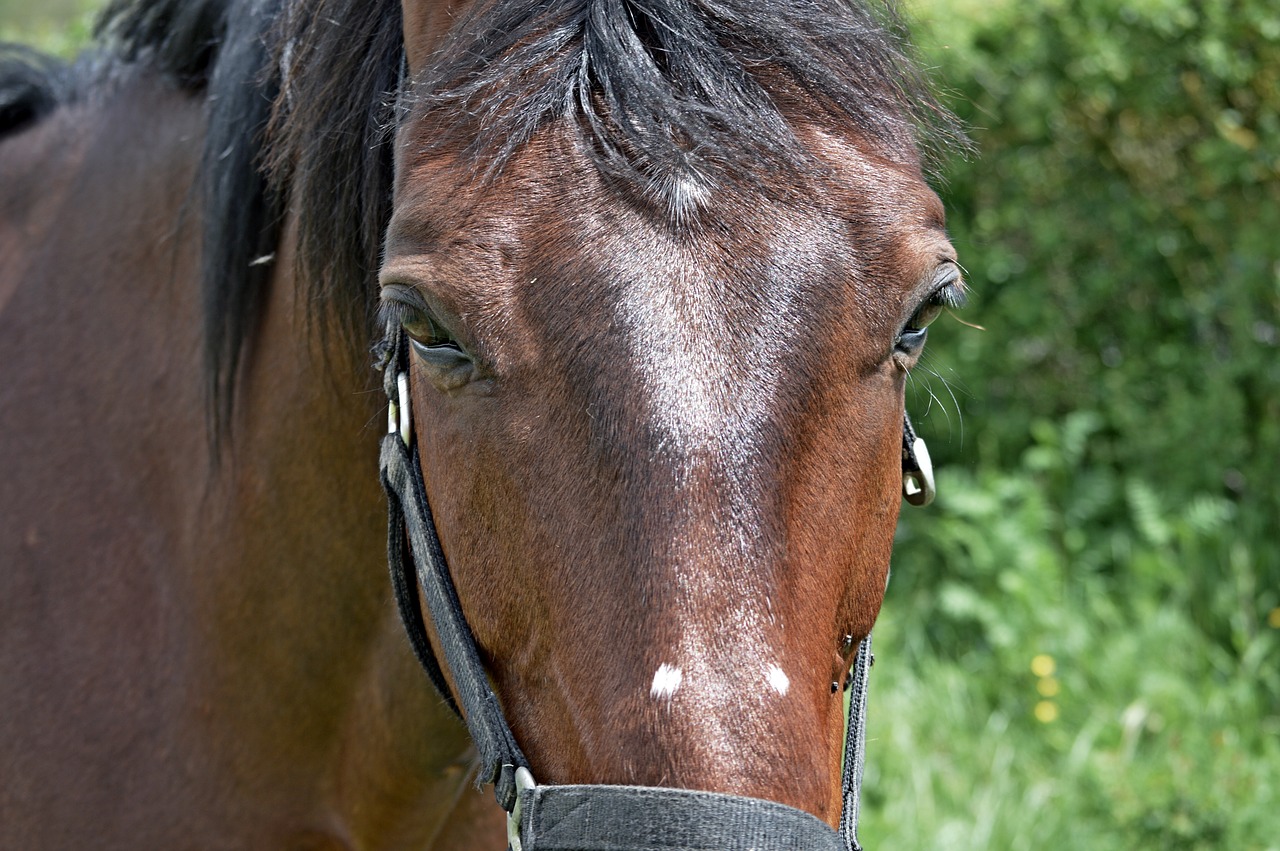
{"x": 1151, "y": 743}
{"x": 1021, "y": 700}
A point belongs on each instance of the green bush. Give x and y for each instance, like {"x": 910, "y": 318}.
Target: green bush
{"x": 1108, "y": 496}
{"x": 1121, "y": 227}
{"x": 60, "y": 27}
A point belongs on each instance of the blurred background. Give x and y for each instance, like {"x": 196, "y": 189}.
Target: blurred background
{"x": 1081, "y": 644}
{"x": 1080, "y": 648}
{"x": 58, "y": 26}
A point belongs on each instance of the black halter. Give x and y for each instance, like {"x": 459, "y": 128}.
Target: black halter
{"x": 568, "y": 818}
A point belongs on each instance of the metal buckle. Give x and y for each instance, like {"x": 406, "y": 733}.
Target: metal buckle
{"x": 918, "y": 487}
{"x": 524, "y": 781}
{"x": 400, "y": 416}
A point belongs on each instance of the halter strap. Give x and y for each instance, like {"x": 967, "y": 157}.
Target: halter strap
{"x": 571, "y": 817}
{"x": 496, "y": 745}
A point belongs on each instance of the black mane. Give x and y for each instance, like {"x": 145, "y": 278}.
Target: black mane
{"x": 673, "y": 95}
{"x": 178, "y": 38}
{"x": 218, "y": 48}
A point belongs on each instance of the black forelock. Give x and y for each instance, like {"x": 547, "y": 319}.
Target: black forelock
{"x": 676, "y": 94}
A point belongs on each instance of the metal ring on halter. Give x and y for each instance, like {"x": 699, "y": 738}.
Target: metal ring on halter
{"x": 524, "y": 780}
{"x": 917, "y": 484}
{"x": 406, "y": 413}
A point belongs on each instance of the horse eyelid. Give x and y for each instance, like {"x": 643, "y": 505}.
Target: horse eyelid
{"x": 399, "y": 303}
{"x": 950, "y": 290}
{"x": 396, "y": 301}
{"x": 911, "y": 340}
{"x": 406, "y": 294}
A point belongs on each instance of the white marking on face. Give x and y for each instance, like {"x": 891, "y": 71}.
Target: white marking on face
{"x": 709, "y": 349}
{"x": 665, "y": 681}
{"x": 779, "y": 680}
{"x": 706, "y": 427}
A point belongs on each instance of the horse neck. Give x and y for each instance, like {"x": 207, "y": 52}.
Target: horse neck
{"x": 220, "y": 633}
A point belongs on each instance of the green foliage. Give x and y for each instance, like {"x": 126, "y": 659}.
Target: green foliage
{"x": 61, "y": 27}
{"x": 1120, "y": 227}
{"x": 1108, "y": 498}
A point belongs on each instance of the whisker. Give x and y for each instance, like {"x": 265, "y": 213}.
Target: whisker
{"x": 933, "y": 370}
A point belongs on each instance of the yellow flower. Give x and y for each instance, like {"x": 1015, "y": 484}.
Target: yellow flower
{"x": 1048, "y": 687}
{"x": 1046, "y": 712}
{"x": 1273, "y": 618}
{"x": 1043, "y": 665}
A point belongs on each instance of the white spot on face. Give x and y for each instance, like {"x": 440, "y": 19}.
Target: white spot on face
{"x": 665, "y": 681}
{"x": 778, "y": 680}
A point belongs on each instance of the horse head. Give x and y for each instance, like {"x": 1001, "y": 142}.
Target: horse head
{"x": 654, "y": 274}
{"x": 662, "y": 283}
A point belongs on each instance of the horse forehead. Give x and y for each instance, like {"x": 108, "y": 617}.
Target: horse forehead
{"x": 707, "y": 328}
{"x": 753, "y": 270}
{"x": 859, "y": 190}
{"x": 702, "y": 303}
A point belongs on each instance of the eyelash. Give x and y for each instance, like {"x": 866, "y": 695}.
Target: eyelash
{"x": 394, "y": 313}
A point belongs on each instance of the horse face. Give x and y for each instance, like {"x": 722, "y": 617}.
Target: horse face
{"x": 664, "y": 458}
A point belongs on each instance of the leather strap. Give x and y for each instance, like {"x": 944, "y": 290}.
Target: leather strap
{"x": 855, "y": 745}
{"x": 495, "y": 743}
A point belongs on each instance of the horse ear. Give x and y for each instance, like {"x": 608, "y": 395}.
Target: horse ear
{"x": 426, "y": 23}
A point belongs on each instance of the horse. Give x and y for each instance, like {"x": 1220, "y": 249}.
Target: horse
{"x": 651, "y": 275}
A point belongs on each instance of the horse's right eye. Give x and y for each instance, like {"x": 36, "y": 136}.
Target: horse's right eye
{"x": 425, "y": 331}
{"x": 431, "y": 342}
{"x": 911, "y": 338}
{"x": 403, "y": 306}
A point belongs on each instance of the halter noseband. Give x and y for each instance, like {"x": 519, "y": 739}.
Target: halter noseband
{"x": 570, "y": 817}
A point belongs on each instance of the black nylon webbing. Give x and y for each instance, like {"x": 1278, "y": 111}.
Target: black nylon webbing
{"x": 495, "y": 744}
{"x": 642, "y": 818}
{"x": 855, "y": 749}
{"x": 404, "y": 583}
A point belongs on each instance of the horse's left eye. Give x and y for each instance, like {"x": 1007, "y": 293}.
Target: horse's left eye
{"x": 913, "y": 335}
{"x": 928, "y": 312}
